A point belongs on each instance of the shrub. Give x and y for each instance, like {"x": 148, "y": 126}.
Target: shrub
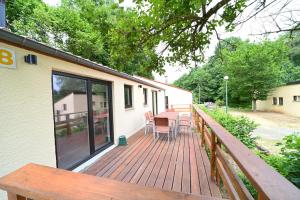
{"x": 240, "y": 127}
{"x": 220, "y": 102}
{"x": 290, "y": 150}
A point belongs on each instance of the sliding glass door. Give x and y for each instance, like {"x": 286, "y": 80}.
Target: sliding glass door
{"x": 101, "y": 123}
{"x": 82, "y": 117}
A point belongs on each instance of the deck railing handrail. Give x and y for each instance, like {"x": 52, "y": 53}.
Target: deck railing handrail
{"x": 45, "y": 183}
{"x": 267, "y": 181}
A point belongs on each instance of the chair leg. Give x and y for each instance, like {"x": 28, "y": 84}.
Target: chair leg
{"x": 145, "y": 132}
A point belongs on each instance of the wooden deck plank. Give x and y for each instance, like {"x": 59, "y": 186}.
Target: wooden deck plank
{"x": 203, "y": 182}
{"x": 179, "y": 166}
{"x": 127, "y": 159}
{"x": 106, "y": 158}
{"x": 214, "y": 189}
{"x": 158, "y": 165}
{"x": 134, "y": 166}
{"x": 195, "y": 186}
{"x": 138, "y": 151}
{"x": 172, "y": 166}
{"x": 144, "y": 178}
{"x": 138, "y": 174}
{"x": 164, "y": 168}
{"x": 186, "y": 174}
{"x": 126, "y": 153}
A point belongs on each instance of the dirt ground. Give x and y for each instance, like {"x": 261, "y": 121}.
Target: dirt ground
{"x": 272, "y": 127}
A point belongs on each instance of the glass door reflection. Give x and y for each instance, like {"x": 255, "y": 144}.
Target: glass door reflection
{"x": 71, "y": 120}
{"x": 101, "y": 122}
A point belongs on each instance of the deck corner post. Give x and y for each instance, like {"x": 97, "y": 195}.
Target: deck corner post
{"x": 213, "y": 156}
{"x": 261, "y": 196}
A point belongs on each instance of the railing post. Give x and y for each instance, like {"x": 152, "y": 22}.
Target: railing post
{"x": 213, "y": 155}
{"x": 202, "y": 132}
{"x": 261, "y": 196}
{"x": 68, "y": 124}
{"x": 218, "y": 178}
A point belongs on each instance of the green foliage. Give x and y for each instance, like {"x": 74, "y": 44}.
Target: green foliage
{"x": 254, "y": 69}
{"x": 240, "y": 127}
{"x": 248, "y": 185}
{"x": 287, "y": 163}
{"x": 290, "y": 150}
{"x": 185, "y": 27}
{"x": 100, "y": 31}
{"x": 220, "y": 102}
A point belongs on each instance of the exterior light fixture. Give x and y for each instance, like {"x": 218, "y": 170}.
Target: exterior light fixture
{"x": 30, "y": 59}
{"x": 140, "y": 86}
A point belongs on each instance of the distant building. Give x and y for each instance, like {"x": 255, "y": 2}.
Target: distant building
{"x": 283, "y": 99}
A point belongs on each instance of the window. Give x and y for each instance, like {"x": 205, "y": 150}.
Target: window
{"x": 128, "y": 96}
{"x": 274, "y": 100}
{"x": 64, "y": 106}
{"x": 145, "y": 92}
{"x": 167, "y": 102}
{"x": 296, "y": 98}
{"x": 281, "y": 101}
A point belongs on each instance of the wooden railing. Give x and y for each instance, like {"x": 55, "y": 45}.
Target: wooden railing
{"x": 224, "y": 148}
{"x": 182, "y": 107}
{"x": 45, "y": 183}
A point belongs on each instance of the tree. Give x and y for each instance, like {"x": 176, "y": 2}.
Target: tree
{"x": 96, "y": 30}
{"x": 185, "y": 28}
{"x": 255, "y": 69}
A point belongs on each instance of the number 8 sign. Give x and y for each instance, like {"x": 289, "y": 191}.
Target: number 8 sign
{"x": 7, "y": 58}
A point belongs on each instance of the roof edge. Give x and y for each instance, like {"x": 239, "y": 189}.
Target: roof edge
{"x": 170, "y": 85}
{"x": 27, "y": 43}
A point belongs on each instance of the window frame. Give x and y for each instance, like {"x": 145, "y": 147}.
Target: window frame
{"x": 280, "y": 101}
{"x": 65, "y": 107}
{"x": 297, "y": 99}
{"x": 274, "y": 101}
{"x": 145, "y": 95}
{"x": 129, "y": 104}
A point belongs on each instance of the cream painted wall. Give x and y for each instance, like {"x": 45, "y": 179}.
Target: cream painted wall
{"x": 289, "y": 105}
{"x": 26, "y": 120}
{"x": 175, "y": 95}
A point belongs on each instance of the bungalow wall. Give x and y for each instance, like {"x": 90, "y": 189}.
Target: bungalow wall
{"x": 289, "y": 106}
{"x": 26, "y": 107}
{"x": 176, "y": 96}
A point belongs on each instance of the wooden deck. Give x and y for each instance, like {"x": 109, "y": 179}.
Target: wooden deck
{"x": 181, "y": 165}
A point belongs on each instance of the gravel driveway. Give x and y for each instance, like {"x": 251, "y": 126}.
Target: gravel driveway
{"x": 272, "y": 126}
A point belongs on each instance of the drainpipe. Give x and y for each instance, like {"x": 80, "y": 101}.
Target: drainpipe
{"x": 2, "y": 14}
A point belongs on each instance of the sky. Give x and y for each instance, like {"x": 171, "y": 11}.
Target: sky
{"x": 251, "y": 30}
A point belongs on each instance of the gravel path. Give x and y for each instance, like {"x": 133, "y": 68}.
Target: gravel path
{"x": 272, "y": 126}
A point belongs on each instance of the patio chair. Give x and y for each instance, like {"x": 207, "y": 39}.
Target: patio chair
{"x": 185, "y": 121}
{"x": 151, "y": 115}
{"x": 161, "y": 125}
{"x": 149, "y": 122}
